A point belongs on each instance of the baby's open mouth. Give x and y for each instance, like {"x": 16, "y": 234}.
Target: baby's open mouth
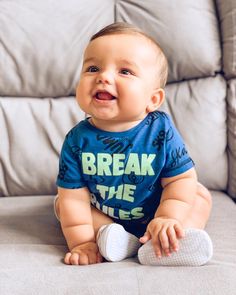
{"x": 104, "y": 95}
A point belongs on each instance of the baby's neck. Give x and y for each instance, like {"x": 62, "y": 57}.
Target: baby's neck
{"x": 113, "y": 126}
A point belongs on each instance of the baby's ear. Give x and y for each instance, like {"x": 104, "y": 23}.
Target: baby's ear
{"x": 156, "y": 101}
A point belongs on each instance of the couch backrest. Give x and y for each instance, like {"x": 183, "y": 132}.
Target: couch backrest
{"x": 227, "y": 18}
{"x": 41, "y": 47}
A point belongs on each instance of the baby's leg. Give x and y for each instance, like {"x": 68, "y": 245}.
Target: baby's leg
{"x": 114, "y": 242}
{"x": 201, "y": 209}
{"x": 99, "y": 218}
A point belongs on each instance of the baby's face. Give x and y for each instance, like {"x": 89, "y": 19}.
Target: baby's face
{"x": 118, "y": 79}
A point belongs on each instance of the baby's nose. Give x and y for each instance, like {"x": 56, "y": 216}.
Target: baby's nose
{"x": 105, "y": 77}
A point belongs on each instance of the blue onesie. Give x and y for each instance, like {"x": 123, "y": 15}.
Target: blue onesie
{"x": 122, "y": 170}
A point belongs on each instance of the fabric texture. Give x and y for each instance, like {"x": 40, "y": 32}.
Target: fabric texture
{"x": 42, "y": 44}
{"x": 122, "y": 174}
{"x": 195, "y": 249}
{"x": 189, "y": 54}
{"x": 232, "y": 137}
{"x": 198, "y": 108}
{"x": 115, "y": 243}
{"x": 32, "y": 130}
{"x": 33, "y": 246}
{"x": 41, "y": 47}
{"x": 227, "y": 15}
{"x": 37, "y": 77}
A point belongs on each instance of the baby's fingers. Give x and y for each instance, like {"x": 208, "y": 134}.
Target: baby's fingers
{"x": 173, "y": 240}
{"x": 75, "y": 259}
{"x": 84, "y": 259}
{"x": 157, "y": 247}
{"x": 146, "y": 237}
{"x": 179, "y": 231}
{"x": 164, "y": 240}
{"x": 67, "y": 258}
{"x": 71, "y": 258}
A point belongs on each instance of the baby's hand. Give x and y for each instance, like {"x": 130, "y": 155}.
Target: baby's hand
{"x": 164, "y": 233}
{"x": 84, "y": 254}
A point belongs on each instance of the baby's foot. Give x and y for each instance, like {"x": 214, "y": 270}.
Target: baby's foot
{"x": 195, "y": 249}
{"x": 115, "y": 243}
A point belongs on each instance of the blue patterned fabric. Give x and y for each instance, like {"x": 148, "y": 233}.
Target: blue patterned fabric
{"x": 122, "y": 170}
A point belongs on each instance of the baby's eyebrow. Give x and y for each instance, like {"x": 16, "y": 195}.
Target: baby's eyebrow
{"x": 89, "y": 59}
{"x": 129, "y": 63}
{"x": 125, "y": 62}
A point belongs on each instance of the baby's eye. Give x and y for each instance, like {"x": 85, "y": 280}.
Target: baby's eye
{"x": 126, "y": 72}
{"x": 92, "y": 69}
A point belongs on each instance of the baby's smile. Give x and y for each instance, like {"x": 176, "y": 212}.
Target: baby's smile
{"x": 104, "y": 95}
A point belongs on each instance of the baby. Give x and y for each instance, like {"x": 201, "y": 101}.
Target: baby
{"x": 126, "y": 183}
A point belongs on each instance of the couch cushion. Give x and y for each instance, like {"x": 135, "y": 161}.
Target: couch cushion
{"x": 232, "y": 137}
{"x": 36, "y": 68}
{"x": 42, "y": 42}
{"x": 198, "y": 108}
{"x": 33, "y": 130}
{"x": 227, "y": 15}
{"x": 187, "y": 30}
{"x": 32, "y": 247}
{"x": 44, "y": 60}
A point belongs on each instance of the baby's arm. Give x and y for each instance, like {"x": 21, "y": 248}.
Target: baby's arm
{"x": 77, "y": 226}
{"x": 176, "y": 203}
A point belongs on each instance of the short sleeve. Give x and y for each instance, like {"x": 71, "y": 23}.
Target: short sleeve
{"x": 69, "y": 175}
{"x": 177, "y": 159}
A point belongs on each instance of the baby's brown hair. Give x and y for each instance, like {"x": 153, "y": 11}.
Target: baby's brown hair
{"x": 125, "y": 28}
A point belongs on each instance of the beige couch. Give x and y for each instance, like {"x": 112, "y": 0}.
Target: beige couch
{"x": 41, "y": 45}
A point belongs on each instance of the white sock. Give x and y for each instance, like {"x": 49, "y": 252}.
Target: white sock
{"x": 115, "y": 243}
{"x": 195, "y": 249}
